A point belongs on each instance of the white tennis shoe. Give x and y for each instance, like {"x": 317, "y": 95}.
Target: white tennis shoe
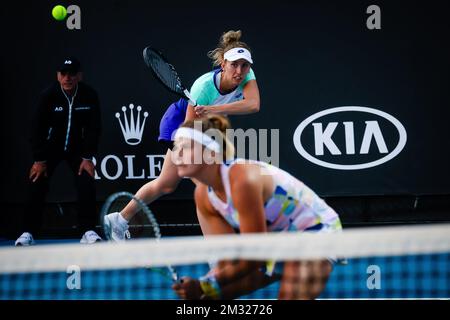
{"x": 116, "y": 227}
{"x": 90, "y": 237}
{"x": 26, "y": 239}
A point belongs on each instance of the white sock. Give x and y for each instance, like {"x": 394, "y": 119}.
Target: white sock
{"x": 122, "y": 220}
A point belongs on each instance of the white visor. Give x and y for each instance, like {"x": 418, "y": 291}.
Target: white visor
{"x": 238, "y": 53}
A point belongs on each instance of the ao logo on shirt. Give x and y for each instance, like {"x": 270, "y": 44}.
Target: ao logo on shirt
{"x": 58, "y": 109}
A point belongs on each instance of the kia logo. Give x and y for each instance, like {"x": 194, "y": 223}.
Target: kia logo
{"x": 350, "y": 133}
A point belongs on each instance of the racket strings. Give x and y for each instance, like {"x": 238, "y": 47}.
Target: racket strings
{"x": 165, "y": 71}
{"x": 143, "y": 224}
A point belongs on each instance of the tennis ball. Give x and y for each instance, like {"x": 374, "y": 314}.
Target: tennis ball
{"x": 59, "y": 12}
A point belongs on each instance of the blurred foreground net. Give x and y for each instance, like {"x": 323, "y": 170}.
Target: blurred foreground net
{"x": 390, "y": 262}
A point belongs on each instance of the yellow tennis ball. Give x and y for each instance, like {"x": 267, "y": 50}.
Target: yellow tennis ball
{"x": 59, "y": 12}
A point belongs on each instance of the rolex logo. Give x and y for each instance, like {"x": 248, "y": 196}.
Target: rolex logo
{"x": 132, "y": 130}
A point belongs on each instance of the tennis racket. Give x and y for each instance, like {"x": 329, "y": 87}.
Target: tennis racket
{"x": 143, "y": 225}
{"x": 166, "y": 73}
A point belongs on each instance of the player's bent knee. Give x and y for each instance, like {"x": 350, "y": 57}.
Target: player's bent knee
{"x": 305, "y": 279}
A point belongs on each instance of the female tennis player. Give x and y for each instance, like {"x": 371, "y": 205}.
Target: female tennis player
{"x": 248, "y": 196}
{"x": 221, "y": 91}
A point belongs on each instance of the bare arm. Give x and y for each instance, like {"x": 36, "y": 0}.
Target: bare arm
{"x": 211, "y": 223}
{"x": 247, "y": 193}
{"x": 233, "y": 277}
{"x": 190, "y": 113}
{"x": 248, "y": 105}
{"x": 247, "y": 187}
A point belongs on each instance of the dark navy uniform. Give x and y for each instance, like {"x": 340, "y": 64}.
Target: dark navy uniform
{"x": 65, "y": 129}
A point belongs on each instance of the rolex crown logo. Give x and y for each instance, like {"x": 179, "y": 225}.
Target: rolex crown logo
{"x": 132, "y": 130}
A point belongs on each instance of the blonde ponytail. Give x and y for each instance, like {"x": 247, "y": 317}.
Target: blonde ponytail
{"x": 228, "y": 40}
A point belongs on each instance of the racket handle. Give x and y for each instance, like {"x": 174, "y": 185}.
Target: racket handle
{"x": 188, "y": 95}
